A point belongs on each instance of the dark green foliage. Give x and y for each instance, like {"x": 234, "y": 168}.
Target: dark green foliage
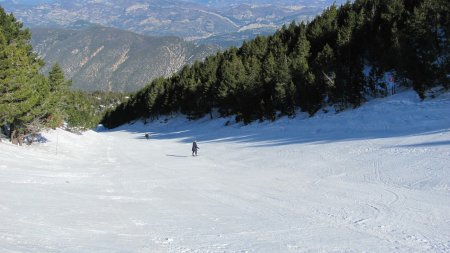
{"x": 87, "y": 109}
{"x": 426, "y": 47}
{"x": 22, "y": 89}
{"x": 30, "y": 101}
{"x": 310, "y": 65}
{"x": 57, "y": 101}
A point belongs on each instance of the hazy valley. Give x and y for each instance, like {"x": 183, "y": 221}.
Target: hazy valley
{"x": 192, "y": 20}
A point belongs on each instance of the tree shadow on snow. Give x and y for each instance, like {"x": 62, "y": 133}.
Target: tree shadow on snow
{"x": 427, "y": 144}
{"x": 279, "y": 133}
{"x": 181, "y": 156}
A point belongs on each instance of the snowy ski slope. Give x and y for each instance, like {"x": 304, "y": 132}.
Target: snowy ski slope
{"x": 373, "y": 179}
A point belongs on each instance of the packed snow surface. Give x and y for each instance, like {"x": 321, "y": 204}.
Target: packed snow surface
{"x": 373, "y": 179}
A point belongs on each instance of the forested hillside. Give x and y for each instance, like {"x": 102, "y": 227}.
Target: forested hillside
{"x": 109, "y": 59}
{"x": 340, "y": 58}
{"x": 31, "y": 101}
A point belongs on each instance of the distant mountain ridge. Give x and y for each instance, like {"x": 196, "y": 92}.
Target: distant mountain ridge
{"x": 192, "y": 20}
{"x": 108, "y": 59}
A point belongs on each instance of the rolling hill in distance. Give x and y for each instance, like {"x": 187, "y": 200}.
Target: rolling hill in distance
{"x": 109, "y": 59}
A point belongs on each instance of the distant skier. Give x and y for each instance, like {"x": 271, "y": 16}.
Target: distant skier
{"x": 194, "y": 148}
{"x": 147, "y": 136}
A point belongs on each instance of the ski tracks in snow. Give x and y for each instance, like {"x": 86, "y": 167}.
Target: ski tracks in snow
{"x": 295, "y": 190}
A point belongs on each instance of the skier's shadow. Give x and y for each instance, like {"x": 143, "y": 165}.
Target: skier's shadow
{"x": 177, "y": 155}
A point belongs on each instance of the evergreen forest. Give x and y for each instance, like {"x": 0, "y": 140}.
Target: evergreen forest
{"x": 340, "y": 58}
{"x": 31, "y": 101}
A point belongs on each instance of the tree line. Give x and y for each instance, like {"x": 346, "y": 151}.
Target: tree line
{"x": 31, "y": 101}
{"x": 338, "y": 58}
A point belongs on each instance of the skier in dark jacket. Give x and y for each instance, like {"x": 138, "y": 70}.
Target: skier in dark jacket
{"x": 194, "y": 148}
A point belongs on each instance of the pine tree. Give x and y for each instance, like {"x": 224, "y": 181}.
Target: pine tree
{"x": 57, "y": 100}
{"x": 283, "y": 92}
{"x": 426, "y": 48}
{"x": 307, "y": 96}
{"x": 269, "y": 84}
{"x": 21, "y": 87}
{"x": 81, "y": 114}
{"x": 252, "y": 89}
{"x": 208, "y": 77}
{"x": 231, "y": 78}
{"x": 324, "y": 72}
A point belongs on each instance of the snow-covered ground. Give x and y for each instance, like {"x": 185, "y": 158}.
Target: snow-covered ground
{"x": 374, "y": 179}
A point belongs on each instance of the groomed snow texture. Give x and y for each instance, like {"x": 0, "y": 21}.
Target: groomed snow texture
{"x": 373, "y": 179}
